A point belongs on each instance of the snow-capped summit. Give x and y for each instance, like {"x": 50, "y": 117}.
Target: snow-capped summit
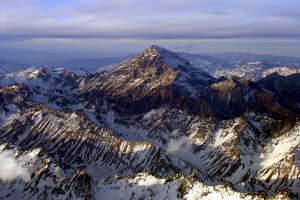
{"x": 190, "y": 79}
{"x": 171, "y": 58}
{"x": 157, "y": 50}
{"x": 154, "y": 68}
{"x": 156, "y": 76}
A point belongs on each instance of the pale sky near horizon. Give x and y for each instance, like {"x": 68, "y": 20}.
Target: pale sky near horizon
{"x": 47, "y": 30}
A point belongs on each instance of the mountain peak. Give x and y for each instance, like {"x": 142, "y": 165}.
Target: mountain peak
{"x": 153, "y": 69}
{"x": 157, "y": 50}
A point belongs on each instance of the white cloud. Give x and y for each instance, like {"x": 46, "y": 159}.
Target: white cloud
{"x": 175, "y": 133}
{"x": 10, "y": 167}
{"x": 175, "y": 144}
{"x": 152, "y": 112}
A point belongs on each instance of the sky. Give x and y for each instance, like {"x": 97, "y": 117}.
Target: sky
{"x": 40, "y": 31}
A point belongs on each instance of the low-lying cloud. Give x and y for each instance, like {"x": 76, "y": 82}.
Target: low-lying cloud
{"x": 152, "y": 112}
{"x": 175, "y": 144}
{"x": 175, "y": 133}
{"x": 10, "y": 168}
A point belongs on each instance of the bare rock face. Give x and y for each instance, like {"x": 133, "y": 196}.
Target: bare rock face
{"x": 155, "y": 127}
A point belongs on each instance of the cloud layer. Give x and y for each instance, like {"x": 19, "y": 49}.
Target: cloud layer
{"x": 119, "y": 19}
{"x": 65, "y": 30}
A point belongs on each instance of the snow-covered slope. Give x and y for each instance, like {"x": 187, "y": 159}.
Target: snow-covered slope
{"x": 54, "y": 87}
{"x": 284, "y": 71}
{"x": 55, "y": 182}
{"x": 239, "y": 151}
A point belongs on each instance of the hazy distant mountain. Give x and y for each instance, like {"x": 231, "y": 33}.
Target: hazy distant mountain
{"x": 7, "y": 67}
{"x": 251, "y": 70}
{"x": 238, "y": 56}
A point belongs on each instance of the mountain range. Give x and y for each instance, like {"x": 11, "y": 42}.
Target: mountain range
{"x": 154, "y": 127}
{"x": 249, "y": 57}
{"x": 253, "y": 70}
